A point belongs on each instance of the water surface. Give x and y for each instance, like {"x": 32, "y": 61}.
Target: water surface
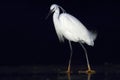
{"x": 51, "y": 72}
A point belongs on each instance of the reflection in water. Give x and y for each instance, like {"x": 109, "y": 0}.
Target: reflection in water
{"x": 52, "y": 73}
{"x": 69, "y": 77}
{"x": 75, "y": 77}
{"x": 89, "y": 76}
{"x": 57, "y": 76}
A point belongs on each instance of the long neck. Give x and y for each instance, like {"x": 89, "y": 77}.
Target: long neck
{"x": 56, "y": 15}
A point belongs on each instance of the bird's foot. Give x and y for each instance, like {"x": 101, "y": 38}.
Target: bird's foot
{"x": 88, "y": 72}
{"x": 68, "y": 71}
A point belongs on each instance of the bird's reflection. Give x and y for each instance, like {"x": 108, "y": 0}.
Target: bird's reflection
{"x": 69, "y": 77}
{"x": 87, "y": 76}
{"x": 75, "y": 77}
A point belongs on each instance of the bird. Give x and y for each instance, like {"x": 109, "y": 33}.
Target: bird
{"x": 70, "y": 28}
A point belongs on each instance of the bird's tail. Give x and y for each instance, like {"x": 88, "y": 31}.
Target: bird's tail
{"x": 93, "y": 35}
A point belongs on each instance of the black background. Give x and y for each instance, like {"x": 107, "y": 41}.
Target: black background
{"x": 26, "y": 38}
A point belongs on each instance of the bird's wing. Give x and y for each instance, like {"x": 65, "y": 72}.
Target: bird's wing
{"x": 75, "y": 27}
{"x": 72, "y": 25}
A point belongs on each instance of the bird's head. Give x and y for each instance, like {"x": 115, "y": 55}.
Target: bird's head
{"x": 53, "y": 7}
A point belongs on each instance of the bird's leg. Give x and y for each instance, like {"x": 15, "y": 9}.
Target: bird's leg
{"x": 69, "y": 76}
{"x": 88, "y": 64}
{"x": 69, "y": 64}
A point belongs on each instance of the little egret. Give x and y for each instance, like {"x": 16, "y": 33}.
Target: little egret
{"x": 70, "y": 28}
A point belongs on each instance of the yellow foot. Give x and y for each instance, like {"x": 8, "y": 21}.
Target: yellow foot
{"x": 88, "y": 72}
{"x": 68, "y": 71}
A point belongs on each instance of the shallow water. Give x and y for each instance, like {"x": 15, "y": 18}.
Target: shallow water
{"x": 106, "y": 72}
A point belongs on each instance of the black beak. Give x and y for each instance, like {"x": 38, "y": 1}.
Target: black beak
{"x": 48, "y": 14}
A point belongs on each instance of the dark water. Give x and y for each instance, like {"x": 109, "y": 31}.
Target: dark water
{"x": 106, "y": 72}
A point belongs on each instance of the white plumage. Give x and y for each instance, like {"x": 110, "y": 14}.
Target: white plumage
{"x": 69, "y": 27}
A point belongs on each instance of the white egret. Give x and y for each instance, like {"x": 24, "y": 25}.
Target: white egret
{"x": 70, "y": 28}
